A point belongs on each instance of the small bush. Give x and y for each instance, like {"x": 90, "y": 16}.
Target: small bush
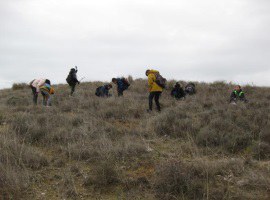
{"x": 19, "y": 86}
{"x": 261, "y": 151}
{"x": 175, "y": 179}
{"x": 221, "y": 133}
{"x": 68, "y": 188}
{"x": 13, "y": 182}
{"x": 265, "y": 135}
{"x": 105, "y": 174}
{"x": 16, "y": 101}
{"x": 173, "y": 123}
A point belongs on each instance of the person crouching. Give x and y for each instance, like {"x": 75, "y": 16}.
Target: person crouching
{"x": 178, "y": 92}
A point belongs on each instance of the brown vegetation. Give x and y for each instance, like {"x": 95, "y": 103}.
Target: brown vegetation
{"x": 85, "y": 147}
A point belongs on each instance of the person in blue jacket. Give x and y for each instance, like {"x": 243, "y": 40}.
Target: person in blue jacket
{"x": 122, "y": 85}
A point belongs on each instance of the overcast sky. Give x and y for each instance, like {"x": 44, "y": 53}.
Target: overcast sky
{"x": 203, "y": 40}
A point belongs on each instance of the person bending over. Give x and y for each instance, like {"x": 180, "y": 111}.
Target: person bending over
{"x": 103, "y": 91}
{"x": 122, "y": 85}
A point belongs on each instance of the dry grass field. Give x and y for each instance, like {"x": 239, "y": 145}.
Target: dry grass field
{"x": 85, "y": 147}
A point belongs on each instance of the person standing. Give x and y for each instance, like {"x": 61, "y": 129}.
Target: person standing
{"x": 72, "y": 79}
{"x": 154, "y": 88}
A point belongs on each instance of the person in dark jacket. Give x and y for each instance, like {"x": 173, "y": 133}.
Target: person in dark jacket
{"x": 72, "y": 79}
{"x": 103, "y": 91}
{"x": 190, "y": 89}
{"x": 238, "y": 94}
{"x": 178, "y": 92}
{"x": 122, "y": 85}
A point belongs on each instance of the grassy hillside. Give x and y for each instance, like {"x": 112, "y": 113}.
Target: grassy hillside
{"x": 85, "y": 147}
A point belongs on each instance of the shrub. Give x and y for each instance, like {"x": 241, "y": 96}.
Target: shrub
{"x": 265, "y": 134}
{"x": 16, "y": 101}
{"x": 13, "y": 182}
{"x": 173, "y": 122}
{"x": 104, "y": 174}
{"x": 221, "y": 132}
{"x": 68, "y": 188}
{"x": 19, "y": 86}
{"x": 261, "y": 150}
{"x": 175, "y": 179}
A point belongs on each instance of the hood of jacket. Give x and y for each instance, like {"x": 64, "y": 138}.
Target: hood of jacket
{"x": 152, "y": 71}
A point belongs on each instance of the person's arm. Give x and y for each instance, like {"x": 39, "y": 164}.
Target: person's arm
{"x": 243, "y": 97}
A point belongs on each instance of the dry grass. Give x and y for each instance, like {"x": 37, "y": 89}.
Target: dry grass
{"x": 85, "y": 147}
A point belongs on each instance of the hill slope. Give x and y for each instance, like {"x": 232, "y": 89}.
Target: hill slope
{"x": 85, "y": 147}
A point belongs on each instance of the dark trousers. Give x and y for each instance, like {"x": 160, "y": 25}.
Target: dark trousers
{"x": 35, "y": 95}
{"x": 120, "y": 92}
{"x": 154, "y": 95}
{"x": 72, "y": 87}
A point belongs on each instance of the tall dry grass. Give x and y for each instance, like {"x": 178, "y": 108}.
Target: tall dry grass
{"x": 90, "y": 147}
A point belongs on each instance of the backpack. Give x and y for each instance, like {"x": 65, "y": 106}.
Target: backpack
{"x": 190, "y": 88}
{"x": 98, "y": 93}
{"x": 160, "y": 80}
{"x": 69, "y": 78}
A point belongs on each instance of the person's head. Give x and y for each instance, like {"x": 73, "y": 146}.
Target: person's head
{"x": 237, "y": 88}
{"x": 108, "y": 86}
{"x": 114, "y": 80}
{"x": 72, "y": 70}
{"x": 48, "y": 81}
{"x": 147, "y": 72}
{"x": 177, "y": 85}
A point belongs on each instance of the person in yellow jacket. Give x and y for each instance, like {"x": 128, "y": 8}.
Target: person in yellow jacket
{"x": 47, "y": 91}
{"x": 154, "y": 89}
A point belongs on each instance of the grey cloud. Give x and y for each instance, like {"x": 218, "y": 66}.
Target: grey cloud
{"x": 202, "y": 40}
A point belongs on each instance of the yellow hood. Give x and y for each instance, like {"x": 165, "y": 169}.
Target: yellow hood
{"x": 152, "y": 71}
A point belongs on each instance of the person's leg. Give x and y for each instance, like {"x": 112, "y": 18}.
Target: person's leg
{"x": 49, "y": 100}
{"x": 35, "y": 95}
{"x": 157, "y": 95}
{"x": 120, "y": 92}
{"x": 72, "y": 89}
{"x": 151, "y": 96}
{"x": 44, "y": 100}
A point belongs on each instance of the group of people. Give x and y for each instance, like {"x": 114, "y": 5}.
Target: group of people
{"x": 156, "y": 85}
{"x": 44, "y": 87}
